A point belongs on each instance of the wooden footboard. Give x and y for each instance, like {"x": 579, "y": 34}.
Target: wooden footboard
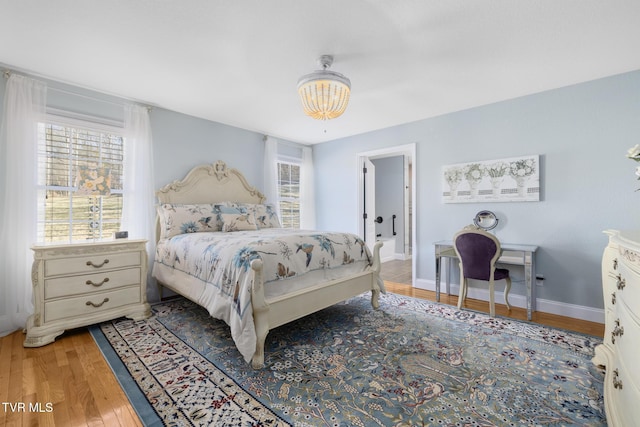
{"x": 269, "y": 314}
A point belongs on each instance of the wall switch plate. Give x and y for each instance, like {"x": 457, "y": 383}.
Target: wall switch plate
{"x": 121, "y": 234}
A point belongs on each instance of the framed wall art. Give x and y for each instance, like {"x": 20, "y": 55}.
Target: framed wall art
{"x": 515, "y": 179}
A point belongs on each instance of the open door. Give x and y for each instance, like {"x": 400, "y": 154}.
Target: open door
{"x": 369, "y": 202}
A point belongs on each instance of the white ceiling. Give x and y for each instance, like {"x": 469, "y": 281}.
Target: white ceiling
{"x": 238, "y": 62}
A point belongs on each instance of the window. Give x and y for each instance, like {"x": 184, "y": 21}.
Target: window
{"x": 80, "y": 182}
{"x": 289, "y": 194}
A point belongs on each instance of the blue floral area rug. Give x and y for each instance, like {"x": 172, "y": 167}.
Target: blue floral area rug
{"x": 410, "y": 363}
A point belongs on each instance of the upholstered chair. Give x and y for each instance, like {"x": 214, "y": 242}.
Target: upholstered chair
{"x": 478, "y": 250}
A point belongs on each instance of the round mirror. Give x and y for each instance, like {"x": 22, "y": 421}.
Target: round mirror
{"x": 486, "y": 220}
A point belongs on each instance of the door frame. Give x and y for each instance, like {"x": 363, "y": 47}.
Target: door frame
{"x": 398, "y": 150}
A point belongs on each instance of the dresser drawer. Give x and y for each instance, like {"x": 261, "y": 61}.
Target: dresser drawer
{"x": 628, "y": 286}
{"x": 90, "y": 304}
{"x": 627, "y": 343}
{"x": 91, "y": 263}
{"x": 90, "y": 283}
{"x": 626, "y": 397}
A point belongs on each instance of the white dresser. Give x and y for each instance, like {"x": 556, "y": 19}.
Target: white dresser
{"x": 620, "y": 350}
{"x": 80, "y": 284}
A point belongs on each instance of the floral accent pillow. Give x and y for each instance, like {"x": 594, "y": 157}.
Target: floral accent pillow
{"x": 182, "y": 218}
{"x": 265, "y": 215}
{"x": 238, "y": 222}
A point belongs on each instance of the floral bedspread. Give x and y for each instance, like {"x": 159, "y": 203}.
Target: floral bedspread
{"x": 223, "y": 261}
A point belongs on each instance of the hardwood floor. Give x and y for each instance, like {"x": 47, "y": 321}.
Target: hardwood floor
{"x": 69, "y": 383}
{"x": 66, "y": 383}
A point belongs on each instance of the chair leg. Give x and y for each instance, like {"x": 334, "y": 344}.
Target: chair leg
{"x": 463, "y": 293}
{"x": 492, "y": 304}
{"x": 507, "y": 288}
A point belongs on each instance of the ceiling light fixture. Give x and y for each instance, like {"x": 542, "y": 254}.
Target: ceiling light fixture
{"x": 324, "y": 94}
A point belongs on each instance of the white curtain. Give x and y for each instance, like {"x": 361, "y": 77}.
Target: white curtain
{"x": 271, "y": 171}
{"x": 307, "y": 192}
{"x": 138, "y": 212}
{"x": 24, "y": 107}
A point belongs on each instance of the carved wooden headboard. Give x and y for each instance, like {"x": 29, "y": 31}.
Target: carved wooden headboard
{"x": 209, "y": 184}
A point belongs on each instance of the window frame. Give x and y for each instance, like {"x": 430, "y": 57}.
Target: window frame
{"x": 291, "y": 161}
{"x": 82, "y": 123}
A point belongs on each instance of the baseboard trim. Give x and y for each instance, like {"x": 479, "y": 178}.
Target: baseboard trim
{"x": 546, "y": 306}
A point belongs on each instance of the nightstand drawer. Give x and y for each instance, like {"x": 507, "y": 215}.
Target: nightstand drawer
{"x": 90, "y": 304}
{"x": 90, "y": 263}
{"x": 90, "y": 283}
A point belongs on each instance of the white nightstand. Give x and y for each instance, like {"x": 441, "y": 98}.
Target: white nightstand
{"x": 80, "y": 284}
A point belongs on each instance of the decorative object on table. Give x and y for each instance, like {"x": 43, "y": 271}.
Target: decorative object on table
{"x": 121, "y": 234}
{"x": 486, "y": 220}
{"x": 412, "y": 362}
{"x": 634, "y": 154}
{"x": 514, "y": 179}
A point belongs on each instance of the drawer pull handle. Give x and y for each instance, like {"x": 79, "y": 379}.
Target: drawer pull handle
{"x": 621, "y": 282}
{"x": 92, "y": 283}
{"x": 613, "y": 298}
{"x": 618, "y": 331}
{"x": 99, "y": 304}
{"x": 90, "y": 263}
{"x": 615, "y": 263}
{"x": 617, "y": 383}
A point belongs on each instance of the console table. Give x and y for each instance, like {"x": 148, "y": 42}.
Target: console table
{"x": 511, "y": 254}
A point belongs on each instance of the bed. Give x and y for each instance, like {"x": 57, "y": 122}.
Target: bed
{"x": 222, "y": 247}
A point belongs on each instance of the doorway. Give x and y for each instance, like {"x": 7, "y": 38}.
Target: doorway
{"x": 387, "y": 192}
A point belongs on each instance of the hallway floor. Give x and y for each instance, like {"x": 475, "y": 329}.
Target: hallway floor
{"x": 397, "y": 271}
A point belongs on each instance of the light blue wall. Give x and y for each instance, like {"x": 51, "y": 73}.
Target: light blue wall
{"x": 181, "y": 142}
{"x": 582, "y": 134}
